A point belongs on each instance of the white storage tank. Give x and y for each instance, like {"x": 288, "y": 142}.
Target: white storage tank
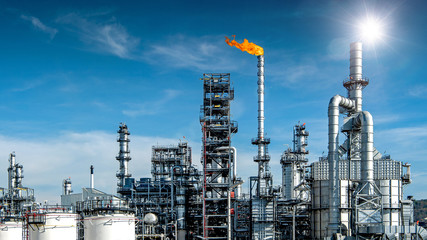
{"x": 110, "y": 227}
{"x": 56, "y": 226}
{"x": 11, "y": 230}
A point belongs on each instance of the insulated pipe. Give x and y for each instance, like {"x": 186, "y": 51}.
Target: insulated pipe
{"x": 238, "y": 189}
{"x": 234, "y": 151}
{"x": 365, "y": 120}
{"x": 355, "y": 91}
{"x": 333, "y": 144}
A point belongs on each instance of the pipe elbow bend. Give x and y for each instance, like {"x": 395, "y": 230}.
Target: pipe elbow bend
{"x": 364, "y": 119}
{"x": 335, "y": 100}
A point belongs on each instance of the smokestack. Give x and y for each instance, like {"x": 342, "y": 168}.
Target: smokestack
{"x": 264, "y": 178}
{"x": 261, "y": 103}
{"x": 355, "y": 83}
{"x": 92, "y": 184}
{"x": 356, "y": 60}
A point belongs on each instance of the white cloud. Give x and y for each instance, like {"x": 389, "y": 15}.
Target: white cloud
{"x": 338, "y": 49}
{"x": 200, "y": 54}
{"x": 291, "y": 74}
{"x": 418, "y": 91}
{"x": 40, "y": 26}
{"x": 152, "y": 107}
{"x": 387, "y": 118}
{"x": 102, "y": 36}
{"x": 29, "y": 85}
{"x": 48, "y": 161}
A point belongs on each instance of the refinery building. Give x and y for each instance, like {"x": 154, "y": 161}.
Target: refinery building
{"x": 354, "y": 192}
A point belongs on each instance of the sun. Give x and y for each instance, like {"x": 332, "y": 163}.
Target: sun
{"x": 371, "y": 30}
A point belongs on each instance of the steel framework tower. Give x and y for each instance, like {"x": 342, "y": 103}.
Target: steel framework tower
{"x": 217, "y": 157}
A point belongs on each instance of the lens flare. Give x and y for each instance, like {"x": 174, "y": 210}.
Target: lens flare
{"x": 371, "y": 30}
{"x": 245, "y": 46}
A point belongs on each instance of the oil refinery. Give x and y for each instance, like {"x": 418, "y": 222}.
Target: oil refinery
{"x": 354, "y": 192}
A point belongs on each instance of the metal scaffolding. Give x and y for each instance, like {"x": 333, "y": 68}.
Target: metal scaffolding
{"x": 217, "y": 157}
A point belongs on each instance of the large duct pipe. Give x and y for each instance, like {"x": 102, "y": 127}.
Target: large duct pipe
{"x": 234, "y": 152}
{"x": 365, "y": 120}
{"x": 333, "y": 158}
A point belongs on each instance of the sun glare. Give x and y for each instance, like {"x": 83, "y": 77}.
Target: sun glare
{"x": 371, "y": 30}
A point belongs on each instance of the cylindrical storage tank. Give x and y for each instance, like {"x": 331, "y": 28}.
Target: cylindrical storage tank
{"x": 320, "y": 205}
{"x": 315, "y": 196}
{"x": 391, "y": 195}
{"x": 110, "y": 227}
{"x": 396, "y": 196}
{"x": 324, "y": 203}
{"x": 385, "y": 191}
{"x": 57, "y": 226}
{"x": 345, "y": 202}
{"x": 11, "y": 230}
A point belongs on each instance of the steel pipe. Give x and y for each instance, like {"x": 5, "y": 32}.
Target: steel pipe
{"x": 333, "y": 144}
{"x": 366, "y": 122}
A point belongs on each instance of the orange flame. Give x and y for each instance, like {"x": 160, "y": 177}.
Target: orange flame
{"x": 245, "y": 46}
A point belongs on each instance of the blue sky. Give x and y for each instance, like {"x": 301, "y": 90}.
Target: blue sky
{"x": 71, "y": 72}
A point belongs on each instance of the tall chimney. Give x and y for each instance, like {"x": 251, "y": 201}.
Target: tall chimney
{"x": 264, "y": 177}
{"x": 92, "y": 184}
{"x": 355, "y": 83}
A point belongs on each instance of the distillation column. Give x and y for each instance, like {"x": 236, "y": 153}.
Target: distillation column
{"x": 217, "y": 158}
{"x": 123, "y": 157}
{"x": 293, "y": 165}
{"x": 66, "y": 184}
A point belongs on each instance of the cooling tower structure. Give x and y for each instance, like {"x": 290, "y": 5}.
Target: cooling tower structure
{"x": 357, "y": 192}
